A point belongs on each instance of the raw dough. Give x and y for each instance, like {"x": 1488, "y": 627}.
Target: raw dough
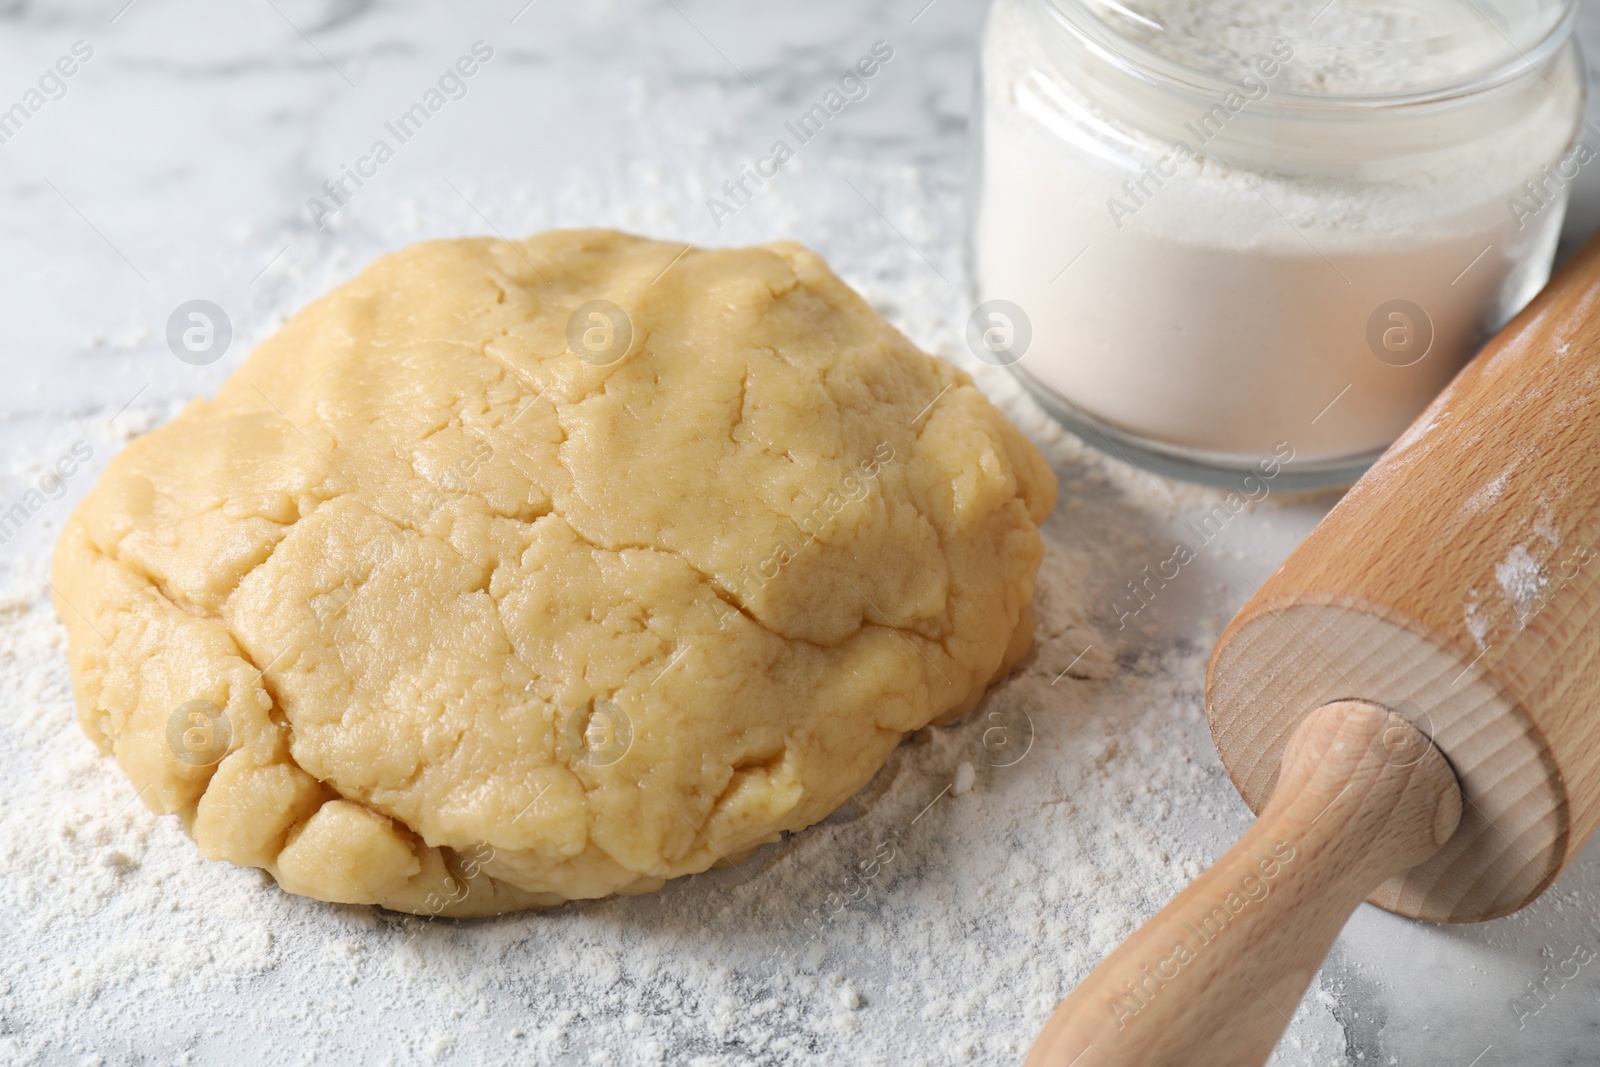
{"x": 537, "y": 627}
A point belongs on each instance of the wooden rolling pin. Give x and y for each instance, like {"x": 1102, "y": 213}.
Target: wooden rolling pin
{"x": 1411, "y": 704}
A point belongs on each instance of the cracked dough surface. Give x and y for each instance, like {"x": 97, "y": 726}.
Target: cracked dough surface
{"x": 489, "y": 626}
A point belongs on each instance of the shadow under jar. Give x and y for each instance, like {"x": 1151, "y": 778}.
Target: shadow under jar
{"x": 1223, "y": 236}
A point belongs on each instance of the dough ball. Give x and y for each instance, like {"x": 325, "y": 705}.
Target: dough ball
{"x": 514, "y": 573}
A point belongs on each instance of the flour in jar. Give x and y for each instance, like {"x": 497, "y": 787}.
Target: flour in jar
{"x": 1198, "y": 286}
{"x": 1349, "y": 46}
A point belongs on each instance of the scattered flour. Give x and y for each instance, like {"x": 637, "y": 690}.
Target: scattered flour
{"x": 941, "y": 927}
{"x": 1487, "y": 494}
{"x": 984, "y": 871}
{"x": 1521, "y": 579}
{"x": 968, "y": 919}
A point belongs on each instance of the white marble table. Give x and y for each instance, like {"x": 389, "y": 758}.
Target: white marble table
{"x": 178, "y": 164}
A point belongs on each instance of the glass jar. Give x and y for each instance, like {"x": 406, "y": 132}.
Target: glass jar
{"x": 1216, "y": 235}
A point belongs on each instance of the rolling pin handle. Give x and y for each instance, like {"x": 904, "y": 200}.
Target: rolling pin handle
{"x": 1213, "y": 978}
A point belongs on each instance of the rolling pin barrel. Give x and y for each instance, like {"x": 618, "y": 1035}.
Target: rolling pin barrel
{"x": 1411, "y": 704}
{"x": 1457, "y": 583}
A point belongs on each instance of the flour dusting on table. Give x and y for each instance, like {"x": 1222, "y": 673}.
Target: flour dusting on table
{"x": 937, "y": 917}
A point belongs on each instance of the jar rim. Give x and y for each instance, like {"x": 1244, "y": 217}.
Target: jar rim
{"x": 1079, "y": 22}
